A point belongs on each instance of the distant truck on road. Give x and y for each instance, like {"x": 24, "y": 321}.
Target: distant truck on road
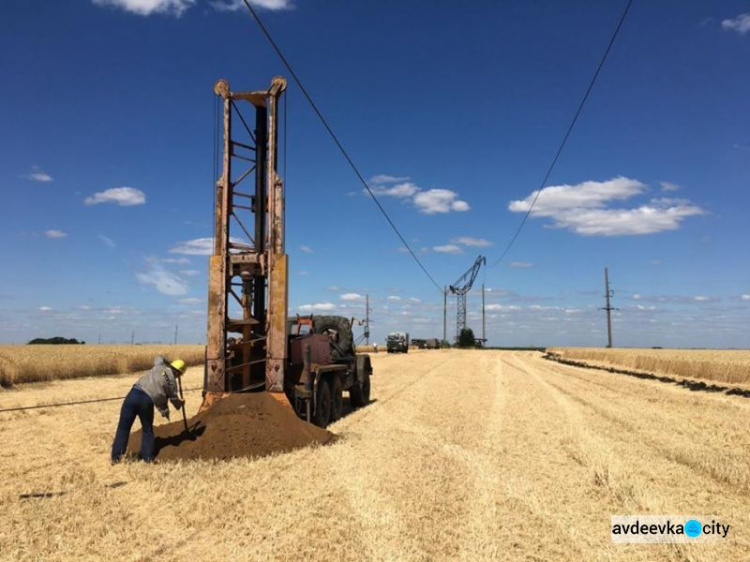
{"x": 397, "y": 341}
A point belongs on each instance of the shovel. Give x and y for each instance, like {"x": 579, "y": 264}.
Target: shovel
{"x": 182, "y": 397}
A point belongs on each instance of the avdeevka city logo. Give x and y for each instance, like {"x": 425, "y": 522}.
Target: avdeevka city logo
{"x": 693, "y": 528}
{"x": 667, "y": 528}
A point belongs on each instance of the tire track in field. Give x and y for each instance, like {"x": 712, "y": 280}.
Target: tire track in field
{"x": 725, "y": 462}
{"x": 639, "y": 482}
{"x": 363, "y": 478}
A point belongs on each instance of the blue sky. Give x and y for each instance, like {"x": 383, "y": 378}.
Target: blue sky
{"x": 452, "y": 110}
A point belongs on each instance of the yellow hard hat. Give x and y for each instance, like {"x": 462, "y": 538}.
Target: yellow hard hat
{"x": 178, "y": 365}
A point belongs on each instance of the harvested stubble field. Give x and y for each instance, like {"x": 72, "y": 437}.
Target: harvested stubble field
{"x": 730, "y": 366}
{"x": 34, "y": 363}
{"x": 469, "y": 455}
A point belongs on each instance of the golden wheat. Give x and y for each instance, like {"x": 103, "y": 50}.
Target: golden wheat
{"x": 730, "y": 366}
{"x": 35, "y": 363}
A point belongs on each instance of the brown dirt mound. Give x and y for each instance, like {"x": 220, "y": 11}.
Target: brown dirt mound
{"x": 241, "y": 425}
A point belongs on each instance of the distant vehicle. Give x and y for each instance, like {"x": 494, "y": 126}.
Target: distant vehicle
{"x": 432, "y": 343}
{"x": 419, "y": 343}
{"x": 398, "y": 341}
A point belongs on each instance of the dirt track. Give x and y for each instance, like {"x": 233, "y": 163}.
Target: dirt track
{"x": 463, "y": 455}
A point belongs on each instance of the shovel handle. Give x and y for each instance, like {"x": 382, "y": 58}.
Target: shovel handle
{"x": 182, "y": 397}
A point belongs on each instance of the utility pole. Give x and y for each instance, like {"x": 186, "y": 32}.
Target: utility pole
{"x": 607, "y": 294}
{"x": 132, "y": 338}
{"x": 99, "y": 339}
{"x": 175, "y": 333}
{"x": 367, "y": 319}
{"x": 445, "y": 315}
{"x": 484, "y": 336}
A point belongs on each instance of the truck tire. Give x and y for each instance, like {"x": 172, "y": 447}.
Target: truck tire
{"x": 322, "y": 404}
{"x": 337, "y": 398}
{"x": 359, "y": 393}
{"x": 340, "y": 331}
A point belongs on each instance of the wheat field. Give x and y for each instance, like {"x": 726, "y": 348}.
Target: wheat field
{"x": 463, "y": 455}
{"x": 35, "y": 363}
{"x": 727, "y": 366}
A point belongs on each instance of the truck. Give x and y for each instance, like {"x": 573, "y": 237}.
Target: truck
{"x": 398, "y": 342}
{"x": 305, "y": 362}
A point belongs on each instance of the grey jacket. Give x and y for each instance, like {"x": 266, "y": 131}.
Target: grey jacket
{"x": 159, "y": 383}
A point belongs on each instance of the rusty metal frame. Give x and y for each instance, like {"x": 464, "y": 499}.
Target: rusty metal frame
{"x": 257, "y": 264}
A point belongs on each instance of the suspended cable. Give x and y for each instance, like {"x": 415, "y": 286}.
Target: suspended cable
{"x": 92, "y": 401}
{"x": 337, "y": 142}
{"x": 567, "y": 133}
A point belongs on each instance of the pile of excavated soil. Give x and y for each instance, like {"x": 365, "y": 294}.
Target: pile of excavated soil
{"x": 240, "y": 425}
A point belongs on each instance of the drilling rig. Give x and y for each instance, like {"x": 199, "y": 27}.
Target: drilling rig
{"x": 252, "y": 344}
{"x": 461, "y": 288}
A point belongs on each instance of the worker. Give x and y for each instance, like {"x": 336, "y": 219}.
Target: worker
{"x": 154, "y": 388}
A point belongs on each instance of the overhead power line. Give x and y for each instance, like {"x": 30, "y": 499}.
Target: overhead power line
{"x": 567, "y": 133}
{"x": 337, "y": 142}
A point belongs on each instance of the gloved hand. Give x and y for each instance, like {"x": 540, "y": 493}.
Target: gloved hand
{"x": 165, "y": 413}
{"x": 178, "y": 404}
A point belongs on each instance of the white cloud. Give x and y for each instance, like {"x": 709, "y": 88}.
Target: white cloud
{"x": 394, "y": 298}
{"x": 400, "y": 190}
{"x": 351, "y": 297}
{"x": 669, "y": 186}
{"x": 196, "y": 247}
{"x": 429, "y": 201}
{"x": 306, "y": 249}
{"x": 45, "y": 308}
{"x": 521, "y": 264}
{"x": 177, "y": 261}
{"x": 655, "y": 262}
{"x": 189, "y": 272}
{"x": 473, "y": 242}
{"x": 190, "y": 300}
{"x": 460, "y": 206}
{"x": 448, "y": 249}
{"x": 235, "y": 5}
{"x": 740, "y": 24}
{"x": 164, "y": 281}
{"x": 148, "y": 7}
{"x": 502, "y": 307}
{"x": 107, "y": 241}
{"x": 318, "y": 307}
{"x": 745, "y": 297}
{"x": 439, "y": 201}
{"x": 582, "y": 208}
{"x": 677, "y": 299}
{"x": 384, "y": 178}
{"x": 55, "y": 234}
{"x": 414, "y": 300}
{"x": 123, "y": 196}
{"x": 39, "y": 175}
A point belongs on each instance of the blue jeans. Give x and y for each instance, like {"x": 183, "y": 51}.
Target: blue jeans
{"x": 137, "y": 403}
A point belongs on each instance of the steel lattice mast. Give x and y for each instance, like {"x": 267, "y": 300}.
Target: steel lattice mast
{"x": 461, "y": 288}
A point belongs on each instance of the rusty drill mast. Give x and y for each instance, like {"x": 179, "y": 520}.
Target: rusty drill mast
{"x": 248, "y": 274}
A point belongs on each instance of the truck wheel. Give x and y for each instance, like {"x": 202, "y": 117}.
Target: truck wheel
{"x": 322, "y": 404}
{"x": 337, "y": 398}
{"x": 359, "y": 394}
